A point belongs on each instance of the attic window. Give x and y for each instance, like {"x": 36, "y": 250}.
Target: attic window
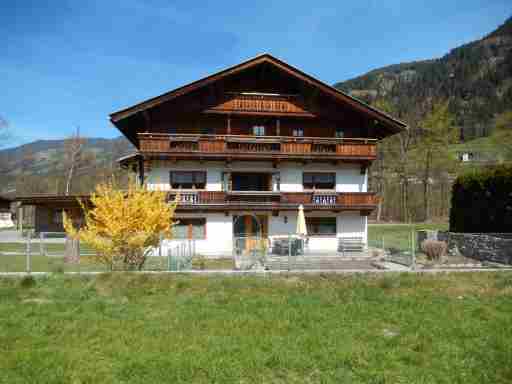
{"x": 298, "y": 132}
{"x": 206, "y": 130}
{"x": 258, "y": 130}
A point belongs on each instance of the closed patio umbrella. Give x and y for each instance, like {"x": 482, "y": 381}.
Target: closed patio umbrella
{"x": 301, "y": 223}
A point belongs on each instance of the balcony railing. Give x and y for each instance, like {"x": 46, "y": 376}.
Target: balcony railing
{"x": 257, "y": 147}
{"x": 355, "y": 200}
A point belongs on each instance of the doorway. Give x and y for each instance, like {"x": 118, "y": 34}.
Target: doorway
{"x": 249, "y": 232}
{"x": 251, "y": 181}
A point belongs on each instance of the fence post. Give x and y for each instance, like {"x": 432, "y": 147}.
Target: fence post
{"x": 413, "y": 251}
{"x": 28, "y": 266}
{"x": 41, "y": 249}
{"x": 289, "y": 250}
{"x": 160, "y": 245}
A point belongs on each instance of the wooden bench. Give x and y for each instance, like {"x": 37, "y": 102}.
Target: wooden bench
{"x": 350, "y": 244}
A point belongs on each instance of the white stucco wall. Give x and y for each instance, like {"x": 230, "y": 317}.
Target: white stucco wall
{"x": 219, "y": 231}
{"x": 348, "y": 176}
{"x": 219, "y": 228}
{"x": 6, "y": 220}
{"x": 348, "y": 224}
{"x": 218, "y": 242}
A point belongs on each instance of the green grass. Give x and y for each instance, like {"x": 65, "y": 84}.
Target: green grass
{"x": 21, "y": 247}
{"x": 38, "y": 263}
{"x": 397, "y": 235}
{"x": 132, "y": 328}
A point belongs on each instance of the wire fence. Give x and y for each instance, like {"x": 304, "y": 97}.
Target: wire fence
{"x": 54, "y": 252}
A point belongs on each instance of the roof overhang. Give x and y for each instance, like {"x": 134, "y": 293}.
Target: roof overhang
{"x": 53, "y": 200}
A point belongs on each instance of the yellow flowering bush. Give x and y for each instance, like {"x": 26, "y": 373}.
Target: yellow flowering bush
{"x": 123, "y": 225}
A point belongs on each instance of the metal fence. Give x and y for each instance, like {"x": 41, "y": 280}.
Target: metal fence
{"x": 398, "y": 248}
{"x": 53, "y": 252}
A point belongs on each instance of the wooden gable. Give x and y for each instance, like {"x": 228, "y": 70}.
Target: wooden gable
{"x": 263, "y": 85}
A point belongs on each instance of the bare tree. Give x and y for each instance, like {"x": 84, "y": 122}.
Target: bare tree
{"x": 73, "y": 155}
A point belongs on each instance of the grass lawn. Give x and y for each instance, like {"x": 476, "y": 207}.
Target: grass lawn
{"x": 34, "y": 246}
{"x": 397, "y": 235}
{"x": 38, "y": 263}
{"x": 133, "y": 328}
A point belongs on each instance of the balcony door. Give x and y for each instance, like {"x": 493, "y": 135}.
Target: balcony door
{"x": 251, "y": 181}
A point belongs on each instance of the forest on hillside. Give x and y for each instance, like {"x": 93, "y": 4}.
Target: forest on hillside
{"x": 453, "y": 106}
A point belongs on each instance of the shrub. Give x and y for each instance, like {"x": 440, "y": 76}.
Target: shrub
{"x": 123, "y": 226}
{"x": 28, "y": 281}
{"x": 434, "y": 249}
{"x": 482, "y": 201}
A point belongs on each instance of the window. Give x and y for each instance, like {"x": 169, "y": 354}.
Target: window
{"x": 340, "y": 133}
{"x": 57, "y": 216}
{"x": 258, "y": 130}
{"x": 188, "y": 179}
{"x": 207, "y": 130}
{"x": 191, "y": 229}
{"x": 321, "y": 226}
{"x": 298, "y": 132}
{"x": 312, "y": 180}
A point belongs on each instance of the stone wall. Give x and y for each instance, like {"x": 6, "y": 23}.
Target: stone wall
{"x": 495, "y": 247}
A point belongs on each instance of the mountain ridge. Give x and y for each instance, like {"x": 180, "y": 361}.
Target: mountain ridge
{"x": 476, "y": 79}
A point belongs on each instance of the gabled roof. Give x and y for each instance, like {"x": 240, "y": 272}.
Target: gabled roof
{"x": 393, "y": 124}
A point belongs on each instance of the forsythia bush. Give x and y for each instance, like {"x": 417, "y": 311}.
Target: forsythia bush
{"x": 123, "y": 225}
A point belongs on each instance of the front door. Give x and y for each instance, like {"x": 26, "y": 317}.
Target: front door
{"x": 248, "y": 231}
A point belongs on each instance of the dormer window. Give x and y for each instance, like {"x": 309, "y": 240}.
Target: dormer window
{"x": 298, "y": 132}
{"x": 258, "y": 130}
{"x": 340, "y": 133}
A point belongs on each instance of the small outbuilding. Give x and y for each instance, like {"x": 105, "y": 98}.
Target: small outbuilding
{"x": 5, "y": 212}
{"x": 48, "y": 210}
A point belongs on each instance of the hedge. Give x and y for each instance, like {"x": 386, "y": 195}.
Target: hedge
{"x": 482, "y": 201}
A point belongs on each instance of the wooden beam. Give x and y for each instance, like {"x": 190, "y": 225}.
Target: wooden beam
{"x": 147, "y": 120}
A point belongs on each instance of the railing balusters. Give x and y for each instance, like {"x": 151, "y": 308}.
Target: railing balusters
{"x": 233, "y": 144}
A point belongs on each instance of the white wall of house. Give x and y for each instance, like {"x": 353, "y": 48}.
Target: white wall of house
{"x": 6, "y": 220}
{"x": 219, "y": 239}
{"x": 348, "y": 176}
{"x": 219, "y": 231}
{"x": 348, "y": 224}
{"x": 219, "y": 227}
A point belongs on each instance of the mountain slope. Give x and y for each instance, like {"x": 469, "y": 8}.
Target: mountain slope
{"x": 475, "y": 77}
{"x": 41, "y": 164}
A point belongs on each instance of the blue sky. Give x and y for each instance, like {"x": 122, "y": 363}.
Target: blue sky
{"x": 70, "y": 63}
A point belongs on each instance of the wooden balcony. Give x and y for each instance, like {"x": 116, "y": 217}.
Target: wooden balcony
{"x": 222, "y": 147}
{"x": 267, "y": 200}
